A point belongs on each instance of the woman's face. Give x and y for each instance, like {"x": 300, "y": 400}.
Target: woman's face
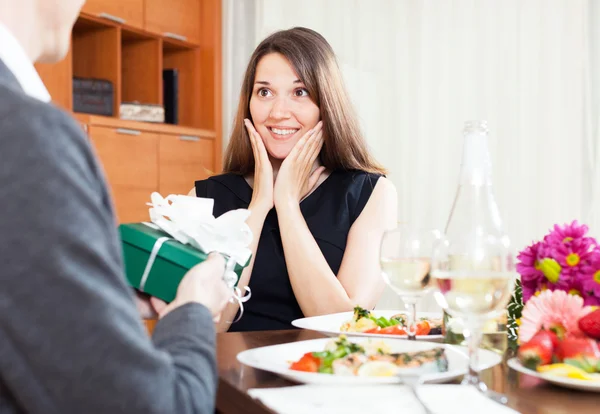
{"x": 281, "y": 110}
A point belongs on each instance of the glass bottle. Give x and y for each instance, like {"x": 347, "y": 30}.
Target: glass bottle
{"x": 474, "y": 264}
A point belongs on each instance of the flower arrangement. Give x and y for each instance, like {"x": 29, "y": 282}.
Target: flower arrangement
{"x": 567, "y": 260}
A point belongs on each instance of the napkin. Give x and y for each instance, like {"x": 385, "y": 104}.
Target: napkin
{"x": 376, "y": 399}
{"x": 190, "y": 220}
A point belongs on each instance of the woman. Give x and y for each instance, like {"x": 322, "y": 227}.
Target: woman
{"x": 296, "y": 159}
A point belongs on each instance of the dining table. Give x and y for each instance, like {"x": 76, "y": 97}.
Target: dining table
{"x": 526, "y": 394}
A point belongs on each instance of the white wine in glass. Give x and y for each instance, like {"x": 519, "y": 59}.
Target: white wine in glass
{"x": 479, "y": 294}
{"x": 406, "y": 277}
{"x": 405, "y": 259}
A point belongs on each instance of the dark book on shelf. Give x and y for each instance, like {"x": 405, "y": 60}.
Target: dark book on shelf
{"x": 170, "y": 95}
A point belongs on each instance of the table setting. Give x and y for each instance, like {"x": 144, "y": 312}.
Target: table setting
{"x": 515, "y": 332}
{"x": 349, "y": 361}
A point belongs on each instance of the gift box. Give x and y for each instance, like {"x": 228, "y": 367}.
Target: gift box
{"x": 155, "y": 262}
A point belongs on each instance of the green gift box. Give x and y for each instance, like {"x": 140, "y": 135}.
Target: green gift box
{"x": 171, "y": 259}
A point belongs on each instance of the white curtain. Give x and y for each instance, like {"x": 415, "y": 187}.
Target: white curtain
{"x": 418, "y": 69}
{"x": 592, "y": 107}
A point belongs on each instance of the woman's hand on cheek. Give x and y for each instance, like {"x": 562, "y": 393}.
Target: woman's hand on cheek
{"x": 262, "y": 194}
{"x": 296, "y": 178}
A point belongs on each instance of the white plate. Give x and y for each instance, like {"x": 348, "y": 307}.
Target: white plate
{"x": 277, "y": 359}
{"x": 330, "y": 324}
{"x": 573, "y": 383}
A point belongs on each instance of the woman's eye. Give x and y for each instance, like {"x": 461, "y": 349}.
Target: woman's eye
{"x": 264, "y": 92}
{"x": 301, "y": 92}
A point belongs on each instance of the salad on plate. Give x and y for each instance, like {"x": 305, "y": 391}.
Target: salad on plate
{"x": 374, "y": 358}
{"x": 365, "y": 321}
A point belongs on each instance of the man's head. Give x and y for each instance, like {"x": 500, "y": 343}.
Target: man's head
{"x": 43, "y": 27}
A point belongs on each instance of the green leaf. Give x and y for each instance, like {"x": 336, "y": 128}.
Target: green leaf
{"x": 514, "y": 309}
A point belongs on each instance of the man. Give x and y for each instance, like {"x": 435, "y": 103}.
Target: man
{"x": 71, "y": 339}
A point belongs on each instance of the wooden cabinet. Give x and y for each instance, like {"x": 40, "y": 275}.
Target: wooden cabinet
{"x": 142, "y": 157}
{"x": 183, "y": 159}
{"x": 130, "y": 12}
{"x": 178, "y": 19}
{"x": 130, "y": 160}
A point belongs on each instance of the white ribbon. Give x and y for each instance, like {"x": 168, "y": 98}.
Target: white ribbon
{"x": 157, "y": 245}
{"x": 231, "y": 278}
{"x": 237, "y": 297}
{"x": 229, "y": 275}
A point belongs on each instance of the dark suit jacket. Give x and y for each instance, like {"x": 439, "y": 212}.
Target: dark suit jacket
{"x": 71, "y": 339}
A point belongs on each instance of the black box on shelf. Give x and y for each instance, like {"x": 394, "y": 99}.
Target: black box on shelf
{"x": 93, "y": 96}
{"x": 171, "y": 95}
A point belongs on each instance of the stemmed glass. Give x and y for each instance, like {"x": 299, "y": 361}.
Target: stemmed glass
{"x": 405, "y": 258}
{"x": 475, "y": 277}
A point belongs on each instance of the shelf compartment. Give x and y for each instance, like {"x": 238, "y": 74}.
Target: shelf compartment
{"x": 141, "y": 68}
{"x": 97, "y": 54}
{"x": 187, "y": 62}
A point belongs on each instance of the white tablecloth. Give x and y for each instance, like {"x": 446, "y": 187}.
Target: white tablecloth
{"x": 376, "y": 399}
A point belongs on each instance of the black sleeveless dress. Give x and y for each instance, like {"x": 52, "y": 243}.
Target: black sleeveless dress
{"x": 329, "y": 212}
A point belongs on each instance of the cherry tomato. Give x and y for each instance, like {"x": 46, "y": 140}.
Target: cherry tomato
{"x": 393, "y": 330}
{"x": 423, "y": 328}
{"x": 308, "y": 363}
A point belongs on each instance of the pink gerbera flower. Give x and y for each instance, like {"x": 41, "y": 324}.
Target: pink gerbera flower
{"x": 556, "y": 310}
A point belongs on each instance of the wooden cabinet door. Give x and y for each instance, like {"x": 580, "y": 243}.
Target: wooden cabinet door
{"x": 130, "y": 161}
{"x": 130, "y": 12}
{"x": 179, "y": 19}
{"x": 184, "y": 159}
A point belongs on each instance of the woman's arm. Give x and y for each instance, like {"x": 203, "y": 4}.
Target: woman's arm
{"x": 359, "y": 282}
{"x": 255, "y": 222}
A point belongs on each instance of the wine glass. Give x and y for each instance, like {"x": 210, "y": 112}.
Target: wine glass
{"x": 475, "y": 278}
{"x": 405, "y": 256}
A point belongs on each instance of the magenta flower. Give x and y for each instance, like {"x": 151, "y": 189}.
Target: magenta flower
{"x": 528, "y": 268}
{"x": 591, "y": 300}
{"x": 565, "y": 260}
{"x": 590, "y": 279}
{"x": 573, "y": 257}
{"x": 567, "y": 233}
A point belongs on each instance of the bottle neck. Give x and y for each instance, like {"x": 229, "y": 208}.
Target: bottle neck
{"x": 476, "y": 167}
{"x": 474, "y": 205}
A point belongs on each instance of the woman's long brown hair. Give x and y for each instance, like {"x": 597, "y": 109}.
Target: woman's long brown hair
{"x": 314, "y": 62}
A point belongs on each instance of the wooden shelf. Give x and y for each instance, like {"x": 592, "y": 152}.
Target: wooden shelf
{"x": 129, "y": 43}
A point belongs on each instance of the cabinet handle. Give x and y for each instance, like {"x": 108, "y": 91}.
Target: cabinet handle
{"x": 191, "y": 138}
{"x": 175, "y": 36}
{"x": 111, "y": 17}
{"x": 126, "y": 131}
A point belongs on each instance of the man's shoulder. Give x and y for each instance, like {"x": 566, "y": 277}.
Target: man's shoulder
{"x": 32, "y": 118}
{"x": 36, "y": 134}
